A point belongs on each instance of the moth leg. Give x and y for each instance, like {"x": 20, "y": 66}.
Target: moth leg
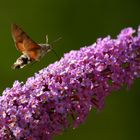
{"x": 34, "y": 62}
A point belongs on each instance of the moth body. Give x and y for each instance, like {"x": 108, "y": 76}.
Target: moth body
{"x": 44, "y": 49}
{"x": 31, "y": 51}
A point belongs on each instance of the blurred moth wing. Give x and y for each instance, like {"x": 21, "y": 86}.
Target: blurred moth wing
{"x": 24, "y": 43}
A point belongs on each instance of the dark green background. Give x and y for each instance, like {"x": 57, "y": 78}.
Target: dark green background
{"x": 80, "y": 23}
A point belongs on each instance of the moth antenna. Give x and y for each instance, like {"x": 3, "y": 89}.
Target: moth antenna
{"x": 46, "y": 39}
{"x": 51, "y": 45}
{"x": 54, "y": 41}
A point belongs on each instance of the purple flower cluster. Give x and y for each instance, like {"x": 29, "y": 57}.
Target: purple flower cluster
{"x": 68, "y": 89}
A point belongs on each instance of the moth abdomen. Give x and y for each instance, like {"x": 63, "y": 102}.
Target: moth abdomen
{"x": 22, "y": 61}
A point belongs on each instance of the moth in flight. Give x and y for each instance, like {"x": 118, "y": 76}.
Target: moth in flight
{"x": 31, "y": 51}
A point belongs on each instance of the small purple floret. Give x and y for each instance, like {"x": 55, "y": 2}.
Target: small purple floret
{"x": 71, "y": 87}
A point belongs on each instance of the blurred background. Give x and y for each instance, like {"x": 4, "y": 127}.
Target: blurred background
{"x": 79, "y": 23}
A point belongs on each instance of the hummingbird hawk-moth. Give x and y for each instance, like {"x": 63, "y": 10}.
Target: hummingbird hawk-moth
{"x": 31, "y": 51}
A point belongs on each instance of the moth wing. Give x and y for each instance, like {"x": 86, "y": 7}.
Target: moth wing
{"x": 32, "y": 49}
{"x": 24, "y": 43}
